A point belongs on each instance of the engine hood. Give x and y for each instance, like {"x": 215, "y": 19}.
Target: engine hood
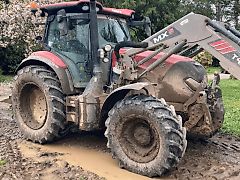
{"x": 171, "y": 60}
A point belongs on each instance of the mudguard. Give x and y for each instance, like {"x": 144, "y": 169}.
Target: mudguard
{"x": 53, "y": 62}
{"x": 119, "y": 94}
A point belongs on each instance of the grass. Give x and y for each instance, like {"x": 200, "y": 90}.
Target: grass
{"x": 4, "y": 78}
{"x": 231, "y": 98}
{"x": 3, "y": 162}
{"x": 212, "y": 70}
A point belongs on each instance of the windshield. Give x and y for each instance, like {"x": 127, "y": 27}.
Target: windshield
{"x": 76, "y": 45}
{"x": 112, "y": 31}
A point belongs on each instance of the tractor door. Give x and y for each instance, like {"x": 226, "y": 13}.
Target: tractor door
{"x": 74, "y": 46}
{"x": 111, "y": 30}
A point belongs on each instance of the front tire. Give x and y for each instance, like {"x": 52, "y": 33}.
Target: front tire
{"x": 145, "y": 135}
{"x": 38, "y": 104}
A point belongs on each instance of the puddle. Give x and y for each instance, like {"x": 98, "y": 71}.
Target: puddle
{"x": 88, "y": 158}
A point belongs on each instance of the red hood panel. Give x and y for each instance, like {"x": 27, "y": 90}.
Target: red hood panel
{"x": 170, "y": 61}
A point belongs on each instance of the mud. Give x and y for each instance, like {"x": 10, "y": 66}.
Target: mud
{"x": 85, "y": 156}
{"x": 17, "y": 163}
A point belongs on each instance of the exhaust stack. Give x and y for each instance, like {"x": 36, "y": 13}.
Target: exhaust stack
{"x": 89, "y": 100}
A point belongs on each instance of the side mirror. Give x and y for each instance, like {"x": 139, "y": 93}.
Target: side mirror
{"x": 145, "y": 23}
{"x": 62, "y": 22}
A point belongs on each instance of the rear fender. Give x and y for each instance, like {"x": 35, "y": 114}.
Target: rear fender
{"x": 120, "y": 93}
{"x": 56, "y": 65}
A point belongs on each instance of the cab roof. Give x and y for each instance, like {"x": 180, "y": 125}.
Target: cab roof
{"x": 76, "y": 7}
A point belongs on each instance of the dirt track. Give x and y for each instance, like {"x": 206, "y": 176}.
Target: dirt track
{"x": 85, "y": 156}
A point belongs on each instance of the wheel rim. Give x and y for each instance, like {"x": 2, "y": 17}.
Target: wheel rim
{"x": 139, "y": 139}
{"x": 33, "y": 106}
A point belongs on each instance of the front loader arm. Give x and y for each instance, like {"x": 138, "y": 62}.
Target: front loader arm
{"x": 199, "y": 32}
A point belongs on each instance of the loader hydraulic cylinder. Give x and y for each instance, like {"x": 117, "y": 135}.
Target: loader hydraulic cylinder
{"x": 224, "y": 32}
{"x": 172, "y": 51}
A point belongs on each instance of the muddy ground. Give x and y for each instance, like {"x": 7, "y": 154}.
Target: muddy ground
{"x": 85, "y": 156}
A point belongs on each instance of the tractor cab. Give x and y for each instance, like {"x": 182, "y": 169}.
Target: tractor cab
{"x": 75, "y": 45}
{"x": 68, "y": 29}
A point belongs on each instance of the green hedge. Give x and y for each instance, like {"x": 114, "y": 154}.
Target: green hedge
{"x": 11, "y": 56}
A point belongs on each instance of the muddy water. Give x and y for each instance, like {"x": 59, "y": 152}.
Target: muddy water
{"x": 218, "y": 158}
{"x": 77, "y": 154}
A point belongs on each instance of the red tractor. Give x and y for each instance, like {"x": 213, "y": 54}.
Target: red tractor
{"x": 93, "y": 76}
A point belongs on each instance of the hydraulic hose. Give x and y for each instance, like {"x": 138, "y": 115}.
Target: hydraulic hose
{"x": 128, "y": 44}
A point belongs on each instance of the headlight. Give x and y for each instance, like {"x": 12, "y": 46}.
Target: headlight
{"x": 108, "y": 48}
{"x": 85, "y": 8}
{"x": 101, "y": 53}
{"x": 105, "y": 60}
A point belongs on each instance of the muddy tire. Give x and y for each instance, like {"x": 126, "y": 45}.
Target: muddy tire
{"x": 38, "y": 104}
{"x": 145, "y": 135}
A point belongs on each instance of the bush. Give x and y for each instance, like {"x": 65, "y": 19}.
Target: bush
{"x": 18, "y": 32}
{"x": 11, "y": 56}
{"x": 205, "y": 58}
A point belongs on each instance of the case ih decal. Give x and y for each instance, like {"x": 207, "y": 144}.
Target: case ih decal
{"x": 226, "y": 50}
{"x": 170, "y": 33}
{"x": 222, "y": 46}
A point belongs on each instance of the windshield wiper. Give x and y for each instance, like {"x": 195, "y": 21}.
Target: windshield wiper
{"x": 123, "y": 29}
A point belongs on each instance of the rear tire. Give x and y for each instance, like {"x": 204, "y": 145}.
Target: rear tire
{"x": 38, "y": 104}
{"x": 145, "y": 135}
